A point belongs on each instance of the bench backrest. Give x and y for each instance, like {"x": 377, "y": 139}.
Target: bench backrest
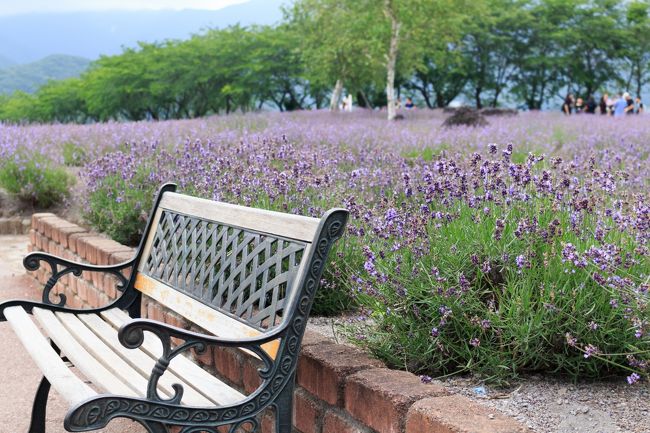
{"x": 231, "y": 270}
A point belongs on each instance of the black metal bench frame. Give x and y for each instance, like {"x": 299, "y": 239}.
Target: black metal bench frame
{"x": 154, "y": 412}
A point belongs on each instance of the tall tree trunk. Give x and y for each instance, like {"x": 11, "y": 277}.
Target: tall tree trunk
{"x": 392, "y": 58}
{"x": 336, "y": 95}
{"x": 477, "y": 96}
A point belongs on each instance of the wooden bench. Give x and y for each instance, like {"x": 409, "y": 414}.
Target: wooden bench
{"x": 245, "y": 276}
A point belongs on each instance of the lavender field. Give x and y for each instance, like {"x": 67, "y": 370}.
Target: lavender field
{"x": 516, "y": 247}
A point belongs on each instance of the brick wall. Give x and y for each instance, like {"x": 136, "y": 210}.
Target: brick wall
{"x": 14, "y": 226}
{"x": 339, "y": 389}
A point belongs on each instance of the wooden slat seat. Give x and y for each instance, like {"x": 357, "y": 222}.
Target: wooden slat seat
{"x": 91, "y": 344}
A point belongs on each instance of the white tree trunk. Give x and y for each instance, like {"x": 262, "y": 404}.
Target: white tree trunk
{"x": 391, "y": 60}
{"x": 336, "y": 95}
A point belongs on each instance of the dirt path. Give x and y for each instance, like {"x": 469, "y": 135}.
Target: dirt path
{"x": 20, "y": 376}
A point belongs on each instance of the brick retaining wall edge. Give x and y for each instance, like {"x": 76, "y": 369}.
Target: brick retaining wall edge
{"x": 339, "y": 388}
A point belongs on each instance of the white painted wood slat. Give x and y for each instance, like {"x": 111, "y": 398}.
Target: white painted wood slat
{"x": 288, "y": 226}
{"x": 69, "y": 386}
{"x": 81, "y": 358}
{"x": 142, "y": 362}
{"x": 197, "y": 312}
{"x": 104, "y": 354}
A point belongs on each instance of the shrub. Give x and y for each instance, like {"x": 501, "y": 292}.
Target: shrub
{"x": 120, "y": 207}
{"x": 465, "y": 116}
{"x": 74, "y": 155}
{"x": 34, "y": 179}
{"x": 508, "y": 270}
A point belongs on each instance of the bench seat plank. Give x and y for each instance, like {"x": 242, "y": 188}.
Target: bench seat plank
{"x": 82, "y": 359}
{"x": 207, "y": 384}
{"x": 66, "y": 383}
{"x": 194, "y": 394}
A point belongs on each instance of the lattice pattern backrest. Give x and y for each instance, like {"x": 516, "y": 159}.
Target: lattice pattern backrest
{"x": 245, "y": 274}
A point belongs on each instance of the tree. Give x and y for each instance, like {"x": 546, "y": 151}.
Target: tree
{"x": 538, "y": 56}
{"x": 337, "y": 45}
{"x": 636, "y": 49}
{"x": 592, "y": 45}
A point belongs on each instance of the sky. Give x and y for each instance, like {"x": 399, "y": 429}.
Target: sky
{"x": 12, "y": 7}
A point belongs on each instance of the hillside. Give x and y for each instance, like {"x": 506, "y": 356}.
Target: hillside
{"x": 30, "y": 76}
{"x": 29, "y": 37}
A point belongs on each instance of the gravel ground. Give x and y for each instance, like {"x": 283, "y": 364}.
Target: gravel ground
{"x": 550, "y": 405}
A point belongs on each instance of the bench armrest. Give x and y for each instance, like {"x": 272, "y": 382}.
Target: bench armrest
{"x": 131, "y": 335}
{"x": 60, "y": 267}
{"x": 32, "y": 262}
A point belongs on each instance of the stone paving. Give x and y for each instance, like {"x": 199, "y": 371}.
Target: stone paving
{"x": 19, "y": 376}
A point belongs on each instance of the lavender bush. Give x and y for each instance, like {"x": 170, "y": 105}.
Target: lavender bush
{"x": 519, "y": 246}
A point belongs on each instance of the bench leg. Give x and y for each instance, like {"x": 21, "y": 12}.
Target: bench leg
{"x": 37, "y": 424}
{"x": 284, "y": 409}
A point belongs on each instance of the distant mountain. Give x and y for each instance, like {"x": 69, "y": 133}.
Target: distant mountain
{"x": 29, "y": 37}
{"x": 31, "y": 76}
{"x": 5, "y": 62}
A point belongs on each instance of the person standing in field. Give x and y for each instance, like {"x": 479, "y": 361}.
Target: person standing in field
{"x": 604, "y": 103}
{"x": 620, "y": 105}
{"x": 629, "y": 109}
{"x": 639, "y": 105}
{"x": 591, "y": 105}
{"x": 580, "y": 105}
{"x": 567, "y": 107}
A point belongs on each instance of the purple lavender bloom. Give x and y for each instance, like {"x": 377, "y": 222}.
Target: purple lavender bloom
{"x": 633, "y": 378}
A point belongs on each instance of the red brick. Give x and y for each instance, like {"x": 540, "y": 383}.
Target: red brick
{"x": 43, "y": 225}
{"x": 381, "y": 397}
{"x": 82, "y": 289}
{"x": 322, "y": 369}
{"x": 227, "y": 362}
{"x": 86, "y": 247}
{"x": 56, "y": 226}
{"x": 103, "y": 299}
{"x": 51, "y": 225}
{"x": 306, "y": 412}
{"x": 155, "y": 312}
{"x": 121, "y": 256}
{"x": 268, "y": 422}
{"x": 93, "y": 297}
{"x": 105, "y": 248}
{"x": 251, "y": 376}
{"x": 109, "y": 286}
{"x": 73, "y": 242}
{"x": 38, "y": 216}
{"x": 32, "y": 236}
{"x": 458, "y": 414}
{"x": 335, "y": 422}
{"x": 66, "y": 232}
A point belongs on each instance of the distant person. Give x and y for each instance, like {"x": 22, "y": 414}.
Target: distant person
{"x": 591, "y": 105}
{"x": 580, "y": 106}
{"x": 639, "y": 105}
{"x": 567, "y": 107}
{"x": 629, "y": 109}
{"x": 409, "y": 105}
{"x": 604, "y": 102}
{"x": 620, "y": 105}
{"x": 610, "y": 105}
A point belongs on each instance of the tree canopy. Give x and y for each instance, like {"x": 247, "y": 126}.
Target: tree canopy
{"x": 490, "y": 52}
